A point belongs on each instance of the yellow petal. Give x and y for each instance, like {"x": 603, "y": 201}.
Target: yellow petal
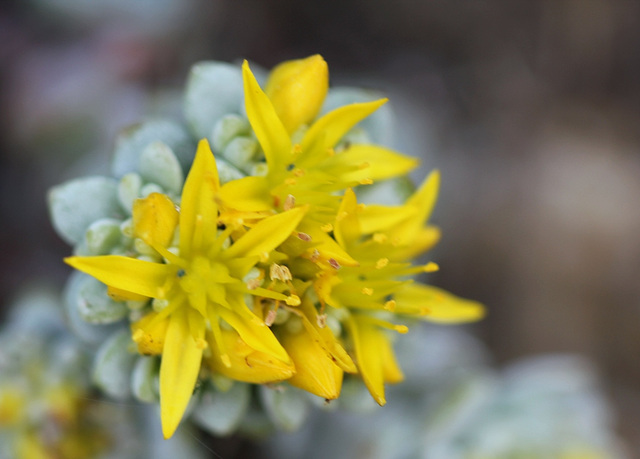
{"x": 124, "y": 273}
{"x": 375, "y": 163}
{"x": 439, "y": 306}
{"x": 329, "y": 129}
{"x": 328, "y": 248}
{"x": 248, "y": 194}
{"x": 297, "y": 90}
{"x": 149, "y": 334}
{"x": 252, "y": 330}
{"x": 423, "y": 201}
{"x": 246, "y": 364}
{"x": 424, "y": 240}
{"x": 181, "y": 359}
{"x": 198, "y": 208}
{"x": 117, "y": 294}
{"x": 154, "y": 219}
{"x": 390, "y": 369}
{"x": 347, "y": 227}
{"x": 324, "y": 337}
{"x": 271, "y": 133}
{"x": 376, "y": 218}
{"x": 369, "y": 343}
{"x": 315, "y": 371}
{"x": 266, "y": 235}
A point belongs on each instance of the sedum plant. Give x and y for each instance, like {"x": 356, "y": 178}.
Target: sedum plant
{"x": 258, "y": 270}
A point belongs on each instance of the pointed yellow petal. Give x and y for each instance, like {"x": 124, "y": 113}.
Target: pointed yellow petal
{"x": 248, "y": 194}
{"x": 124, "y": 273}
{"x": 271, "y": 133}
{"x": 149, "y": 334}
{"x": 198, "y": 208}
{"x": 376, "y": 218}
{"x": 347, "y": 228}
{"x": 252, "y": 330}
{"x": 424, "y": 240}
{"x": 441, "y": 306}
{"x": 375, "y": 163}
{"x": 246, "y": 364}
{"x": 154, "y": 219}
{"x": 327, "y": 246}
{"x": 390, "y": 369}
{"x": 266, "y": 235}
{"x": 181, "y": 358}
{"x": 117, "y": 294}
{"x": 315, "y": 371}
{"x": 329, "y": 129}
{"x": 324, "y": 337}
{"x": 369, "y": 343}
{"x": 423, "y": 200}
{"x": 297, "y": 90}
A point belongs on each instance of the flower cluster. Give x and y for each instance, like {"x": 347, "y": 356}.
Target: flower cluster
{"x": 275, "y": 272}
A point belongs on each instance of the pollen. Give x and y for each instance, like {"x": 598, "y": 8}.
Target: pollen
{"x": 367, "y": 291}
{"x": 201, "y": 344}
{"x": 381, "y": 263}
{"x": 366, "y": 181}
{"x": 390, "y": 305}
{"x": 280, "y": 272}
{"x": 402, "y": 329}
{"x": 380, "y": 238}
{"x": 327, "y": 228}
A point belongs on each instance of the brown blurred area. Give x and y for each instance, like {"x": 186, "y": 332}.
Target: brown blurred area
{"x": 530, "y": 109}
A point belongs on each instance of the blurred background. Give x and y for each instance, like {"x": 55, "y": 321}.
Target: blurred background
{"x": 530, "y": 110}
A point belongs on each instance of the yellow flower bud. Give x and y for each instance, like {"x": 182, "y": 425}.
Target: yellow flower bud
{"x": 297, "y": 90}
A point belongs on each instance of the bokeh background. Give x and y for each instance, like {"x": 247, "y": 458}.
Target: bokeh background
{"x": 531, "y": 110}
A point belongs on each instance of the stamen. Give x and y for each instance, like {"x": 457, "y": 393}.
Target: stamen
{"x": 327, "y": 228}
{"x": 333, "y": 263}
{"x": 253, "y": 284}
{"x": 201, "y": 344}
{"x": 290, "y": 181}
{"x": 367, "y": 291}
{"x": 315, "y": 255}
{"x": 321, "y": 320}
{"x": 366, "y": 181}
{"x": 264, "y": 257}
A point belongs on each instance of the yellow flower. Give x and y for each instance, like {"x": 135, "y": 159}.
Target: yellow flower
{"x": 306, "y": 168}
{"x": 378, "y": 287}
{"x": 198, "y": 290}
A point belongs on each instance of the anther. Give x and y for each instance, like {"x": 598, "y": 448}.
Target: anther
{"x": 431, "y": 267}
{"x": 367, "y": 291}
{"x": 327, "y": 228}
{"x": 321, "y": 320}
{"x": 333, "y": 263}
{"x": 380, "y": 238}
{"x": 304, "y": 236}
{"x": 381, "y": 263}
{"x": 271, "y": 317}
{"x": 401, "y": 329}
{"x": 289, "y": 202}
{"x": 201, "y": 344}
{"x": 280, "y": 272}
{"x": 390, "y": 305}
{"x": 293, "y": 300}
{"x": 315, "y": 255}
{"x": 138, "y": 335}
{"x": 366, "y": 181}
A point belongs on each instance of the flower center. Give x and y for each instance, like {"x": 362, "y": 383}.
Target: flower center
{"x": 203, "y": 280}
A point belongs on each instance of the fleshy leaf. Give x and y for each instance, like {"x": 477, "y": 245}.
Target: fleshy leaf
{"x": 221, "y": 412}
{"x": 78, "y": 203}
{"x": 113, "y": 364}
{"x": 158, "y": 164}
